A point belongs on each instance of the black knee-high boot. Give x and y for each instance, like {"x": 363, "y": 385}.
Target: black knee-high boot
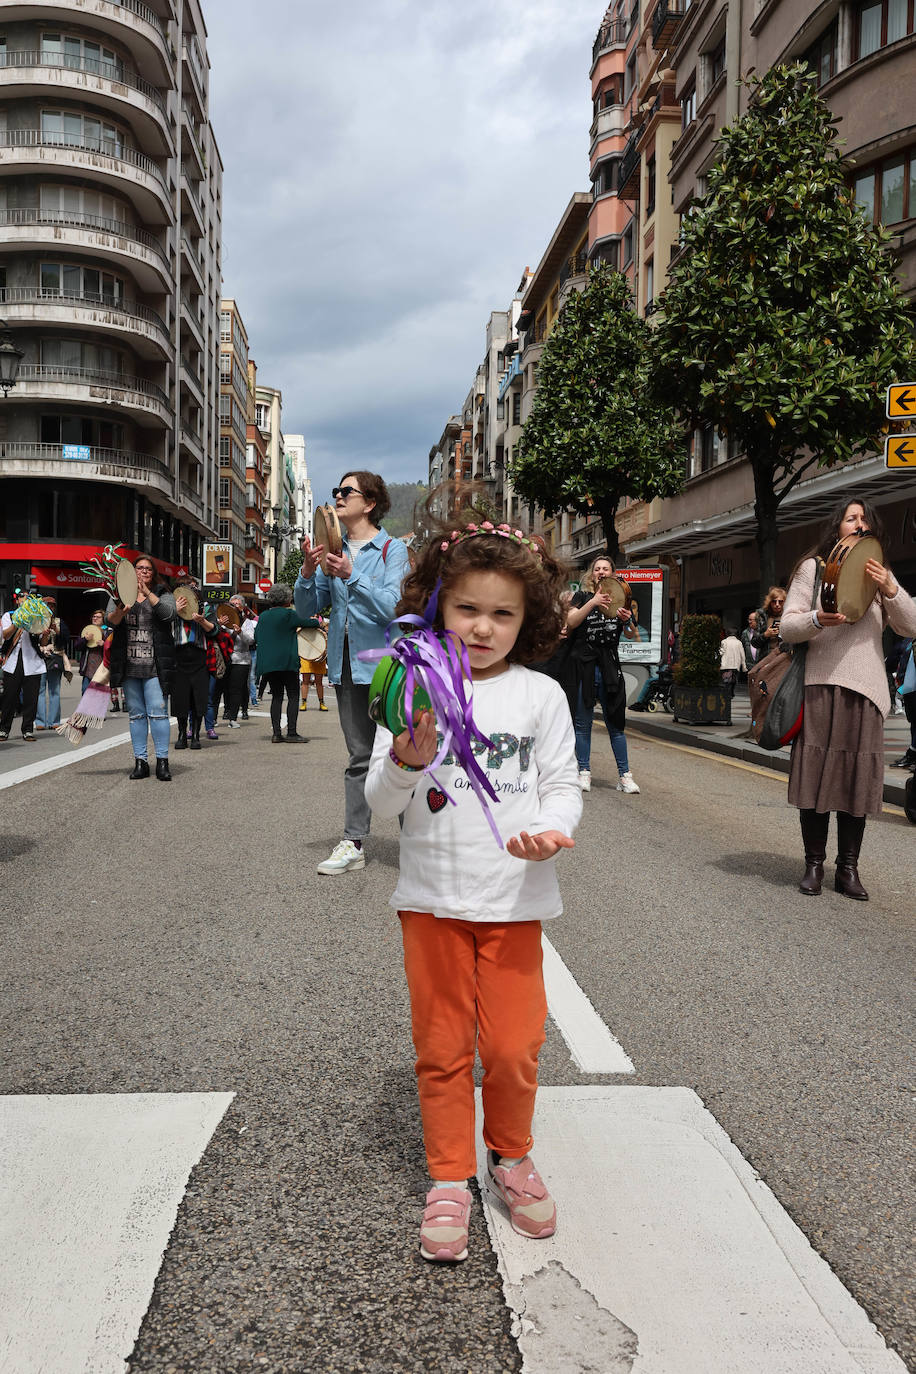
{"x": 850, "y": 830}
{"x": 814, "y": 827}
{"x": 182, "y": 740}
{"x": 195, "y": 730}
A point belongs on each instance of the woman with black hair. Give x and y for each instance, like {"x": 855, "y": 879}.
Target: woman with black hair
{"x": 838, "y": 758}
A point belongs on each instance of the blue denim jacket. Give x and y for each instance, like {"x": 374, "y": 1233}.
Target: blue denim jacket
{"x": 361, "y": 607}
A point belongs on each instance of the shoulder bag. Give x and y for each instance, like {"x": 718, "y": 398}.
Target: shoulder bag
{"x": 776, "y": 686}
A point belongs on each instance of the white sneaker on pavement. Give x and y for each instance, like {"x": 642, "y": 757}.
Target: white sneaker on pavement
{"x": 585, "y": 780}
{"x": 626, "y": 783}
{"x": 344, "y": 856}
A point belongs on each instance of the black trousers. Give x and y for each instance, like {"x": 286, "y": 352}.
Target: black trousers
{"x": 13, "y": 683}
{"x": 236, "y": 688}
{"x": 280, "y": 682}
{"x": 190, "y": 682}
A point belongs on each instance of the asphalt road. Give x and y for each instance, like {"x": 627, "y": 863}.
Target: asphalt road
{"x": 175, "y": 938}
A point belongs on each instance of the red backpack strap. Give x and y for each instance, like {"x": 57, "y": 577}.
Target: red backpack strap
{"x": 385, "y": 549}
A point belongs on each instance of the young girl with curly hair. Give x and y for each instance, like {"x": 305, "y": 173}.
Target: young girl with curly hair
{"x": 471, "y": 911}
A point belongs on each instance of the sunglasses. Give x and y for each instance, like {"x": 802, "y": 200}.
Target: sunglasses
{"x": 344, "y": 493}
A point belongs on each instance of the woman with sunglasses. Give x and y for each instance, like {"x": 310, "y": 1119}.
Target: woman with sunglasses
{"x": 363, "y": 587}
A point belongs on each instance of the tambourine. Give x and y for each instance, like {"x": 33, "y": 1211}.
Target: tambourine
{"x": 229, "y": 615}
{"x": 92, "y": 637}
{"x": 126, "y": 583}
{"x": 618, "y": 590}
{"x": 313, "y": 644}
{"x": 32, "y": 615}
{"x": 193, "y": 605}
{"x": 386, "y": 696}
{"x": 846, "y": 588}
{"x": 327, "y": 532}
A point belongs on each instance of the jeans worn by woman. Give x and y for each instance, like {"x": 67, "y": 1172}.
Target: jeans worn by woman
{"x": 149, "y": 712}
{"x": 583, "y": 726}
{"x": 48, "y": 715}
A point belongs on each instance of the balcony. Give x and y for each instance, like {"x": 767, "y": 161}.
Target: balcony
{"x": 193, "y": 316}
{"x": 104, "y": 85}
{"x": 112, "y": 241}
{"x": 628, "y": 183}
{"x": 666, "y": 21}
{"x": 191, "y": 140}
{"x": 612, "y": 34}
{"x": 509, "y": 376}
{"x": 133, "y": 23}
{"x": 191, "y": 202}
{"x": 142, "y": 400}
{"x": 190, "y": 376}
{"x": 190, "y": 440}
{"x": 147, "y": 331}
{"x": 192, "y": 258}
{"x": 109, "y": 164}
{"x": 191, "y": 62}
{"x": 191, "y": 500}
{"x": 21, "y": 459}
{"x": 609, "y": 123}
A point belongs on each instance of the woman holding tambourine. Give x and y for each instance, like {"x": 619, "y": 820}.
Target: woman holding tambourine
{"x": 838, "y": 758}
{"x": 143, "y": 661}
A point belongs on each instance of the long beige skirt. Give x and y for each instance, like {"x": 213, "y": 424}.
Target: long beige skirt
{"x": 838, "y": 759}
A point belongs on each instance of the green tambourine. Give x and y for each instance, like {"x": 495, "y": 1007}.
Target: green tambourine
{"x": 386, "y": 696}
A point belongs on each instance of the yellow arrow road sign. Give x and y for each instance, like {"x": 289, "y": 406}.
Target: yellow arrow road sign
{"x": 900, "y": 451}
{"x": 901, "y": 401}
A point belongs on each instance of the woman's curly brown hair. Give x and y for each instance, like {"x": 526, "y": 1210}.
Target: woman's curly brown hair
{"x": 543, "y": 577}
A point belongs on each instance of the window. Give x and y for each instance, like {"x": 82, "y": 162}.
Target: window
{"x": 224, "y": 531}
{"x": 886, "y": 192}
{"x": 225, "y": 328}
{"x": 605, "y": 179}
{"x": 821, "y": 57}
{"x": 516, "y": 407}
{"x": 81, "y": 54}
{"x": 628, "y": 245}
{"x": 881, "y": 22}
{"x": 716, "y": 61}
{"x": 69, "y": 354}
{"x": 689, "y": 103}
{"x": 81, "y": 429}
{"x": 650, "y": 283}
{"x": 81, "y": 131}
{"x": 650, "y": 185}
{"x": 224, "y": 491}
{"x": 225, "y": 409}
{"x": 59, "y": 201}
{"x": 225, "y": 456}
{"x": 630, "y": 79}
{"x": 82, "y": 283}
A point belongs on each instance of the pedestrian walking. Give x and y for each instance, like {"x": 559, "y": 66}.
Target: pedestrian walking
{"x": 239, "y": 668}
{"x": 471, "y": 911}
{"x": 91, "y": 644}
{"x": 838, "y": 758}
{"x": 751, "y": 653}
{"x": 594, "y": 640}
{"x": 731, "y": 661}
{"x": 24, "y": 667}
{"x": 278, "y": 659}
{"x": 191, "y": 680}
{"x": 362, "y": 585}
{"x": 766, "y": 636}
{"x": 143, "y": 664}
{"x": 58, "y": 666}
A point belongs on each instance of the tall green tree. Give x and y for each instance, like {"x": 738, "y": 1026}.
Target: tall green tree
{"x": 291, "y": 565}
{"x": 594, "y": 436}
{"x": 782, "y": 323}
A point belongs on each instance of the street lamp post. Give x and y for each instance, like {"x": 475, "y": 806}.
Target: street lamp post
{"x": 276, "y": 531}
{"x": 10, "y": 358}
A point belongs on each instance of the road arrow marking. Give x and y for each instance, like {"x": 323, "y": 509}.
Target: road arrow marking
{"x": 900, "y": 451}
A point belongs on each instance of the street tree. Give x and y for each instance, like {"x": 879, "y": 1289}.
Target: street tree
{"x": 291, "y": 565}
{"x": 594, "y": 436}
{"x": 782, "y": 322}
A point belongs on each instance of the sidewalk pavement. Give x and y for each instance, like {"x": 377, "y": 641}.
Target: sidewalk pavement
{"x": 731, "y": 740}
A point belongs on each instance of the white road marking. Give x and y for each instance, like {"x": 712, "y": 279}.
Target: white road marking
{"x": 670, "y": 1255}
{"x": 591, "y": 1044}
{"x": 75, "y": 754}
{"x": 89, "y": 1191}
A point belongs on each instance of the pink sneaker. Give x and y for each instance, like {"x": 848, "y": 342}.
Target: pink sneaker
{"x": 444, "y": 1231}
{"x": 211, "y": 734}
{"x": 532, "y": 1210}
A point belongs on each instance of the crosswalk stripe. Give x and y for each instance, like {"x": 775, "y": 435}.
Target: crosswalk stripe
{"x": 89, "y": 1191}
{"x": 73, "y": 755}
{"x": 591, "y": 1044}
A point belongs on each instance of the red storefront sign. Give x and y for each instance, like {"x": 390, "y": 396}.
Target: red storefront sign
{"x": 60, "y": 555}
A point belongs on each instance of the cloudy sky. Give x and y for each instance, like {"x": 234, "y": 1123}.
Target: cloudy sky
{"x": 391, "y": 167}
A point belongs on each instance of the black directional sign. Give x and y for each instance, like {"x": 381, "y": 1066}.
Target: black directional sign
{"x": 900, "y": 451}
{"x": 901, "y": 401}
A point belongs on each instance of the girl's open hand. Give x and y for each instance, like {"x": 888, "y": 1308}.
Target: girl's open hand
{"x": 537, "y": 847}
{"x": 423, "y": 750}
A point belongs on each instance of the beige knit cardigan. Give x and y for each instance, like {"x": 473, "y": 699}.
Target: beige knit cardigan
{"x": 846, "y": 655}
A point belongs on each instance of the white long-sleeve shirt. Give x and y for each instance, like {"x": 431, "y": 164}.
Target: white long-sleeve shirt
{"x": 451, "y": 864}
{"x": 731, "y": 654}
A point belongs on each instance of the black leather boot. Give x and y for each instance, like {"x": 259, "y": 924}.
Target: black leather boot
{"x": 195, "y": 732}
{"x": 141, "y": 770}
{"x": 850, "y": 830}
{"x": 182, "y": 740}
{"x": 162, "y": 770}
{"x": 814, "y": 826}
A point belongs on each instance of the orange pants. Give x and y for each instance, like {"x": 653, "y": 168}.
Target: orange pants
{"x": 474, "y": 984}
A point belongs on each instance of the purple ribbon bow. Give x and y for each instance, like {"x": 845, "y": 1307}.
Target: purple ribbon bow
{"x": 439, "y": 664}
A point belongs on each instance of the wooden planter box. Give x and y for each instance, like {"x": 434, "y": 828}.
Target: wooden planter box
{"x": 701, "y": 705}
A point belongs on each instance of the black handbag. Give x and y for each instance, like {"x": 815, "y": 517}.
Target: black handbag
{"x": 54, "y": 663}
{"x": 776, "y": 686}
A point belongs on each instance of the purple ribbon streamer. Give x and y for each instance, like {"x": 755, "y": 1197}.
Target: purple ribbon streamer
{"x": 439, "y": 664}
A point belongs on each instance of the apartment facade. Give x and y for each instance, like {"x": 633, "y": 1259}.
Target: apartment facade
{"x": 233, "y": 430}
{"x": 303, "y": 510}
{"x": 862, "y": 55}
{"x": 110, "y": 241}
{"x": 255, "y": 566}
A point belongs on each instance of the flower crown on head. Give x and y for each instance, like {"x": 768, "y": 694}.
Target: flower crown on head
{"x": 504, "y": 531}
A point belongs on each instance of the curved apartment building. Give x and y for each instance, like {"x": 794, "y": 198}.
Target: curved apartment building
{"x": 110, "y": 231}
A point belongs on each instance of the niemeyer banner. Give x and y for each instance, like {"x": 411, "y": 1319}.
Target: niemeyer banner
{"x": 641, "y": 640}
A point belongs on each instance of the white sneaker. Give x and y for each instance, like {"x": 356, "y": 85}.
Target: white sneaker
{"x": 344, "y": 856}
{"x": 626, "y": 783}
{"x": 585, "y": 780}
